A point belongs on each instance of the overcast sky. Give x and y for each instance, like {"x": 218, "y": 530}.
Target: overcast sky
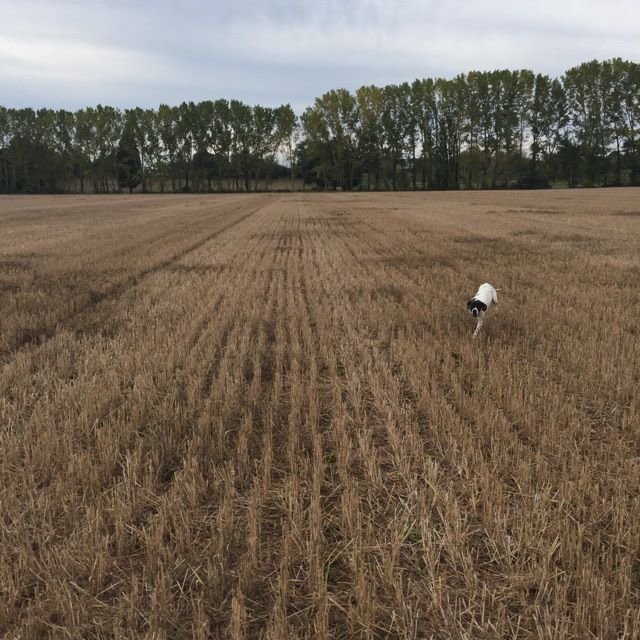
{"x": 73, "y": 53}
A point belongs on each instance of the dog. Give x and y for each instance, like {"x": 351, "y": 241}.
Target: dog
{"x": 480, "y": 303}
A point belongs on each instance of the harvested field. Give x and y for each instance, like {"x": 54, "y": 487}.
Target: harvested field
{"x": 262, "y": 416}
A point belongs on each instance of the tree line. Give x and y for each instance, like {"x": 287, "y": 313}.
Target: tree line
{"x": 211, "y": 145}
{"x": 485, "y": 130}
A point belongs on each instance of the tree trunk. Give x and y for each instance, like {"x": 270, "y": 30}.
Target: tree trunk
{"x": 6, "y": 171}
{"x": 414, "y": 170}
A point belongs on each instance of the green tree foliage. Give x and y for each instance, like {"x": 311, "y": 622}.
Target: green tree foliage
{"x": 585, "y": 89}
{"x": 483, "y": 129}
{"x": 129, "y": 165}
{"x": 369, "y": 133}
{"x": 288, "y": 136}
{"x": 330, "y": 126}
{"x": 492, "y": 129}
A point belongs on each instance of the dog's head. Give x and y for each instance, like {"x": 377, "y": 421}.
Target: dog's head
{"x": 476, "y": 306}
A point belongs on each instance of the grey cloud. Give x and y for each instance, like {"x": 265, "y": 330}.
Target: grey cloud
{"x": 70, "y": 53}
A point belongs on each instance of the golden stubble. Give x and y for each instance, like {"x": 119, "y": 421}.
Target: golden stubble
{"x": 263, "y": 416}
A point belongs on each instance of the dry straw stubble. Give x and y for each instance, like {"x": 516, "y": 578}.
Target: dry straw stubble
{"x": 262, "y": 416}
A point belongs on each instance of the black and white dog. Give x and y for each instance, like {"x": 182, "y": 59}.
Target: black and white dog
{"x": 481, "y": 302}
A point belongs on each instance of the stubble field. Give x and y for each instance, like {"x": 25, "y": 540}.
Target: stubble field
{"x": 263, "y": 416}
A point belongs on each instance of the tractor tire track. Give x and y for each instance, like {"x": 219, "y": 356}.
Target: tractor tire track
{"x": 119, "y": 289}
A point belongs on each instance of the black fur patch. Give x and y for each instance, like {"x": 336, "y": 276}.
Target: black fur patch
{"x": 476, "y": 304}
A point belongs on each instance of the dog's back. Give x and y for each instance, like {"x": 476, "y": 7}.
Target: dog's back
{"x": 486, "y": 294}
